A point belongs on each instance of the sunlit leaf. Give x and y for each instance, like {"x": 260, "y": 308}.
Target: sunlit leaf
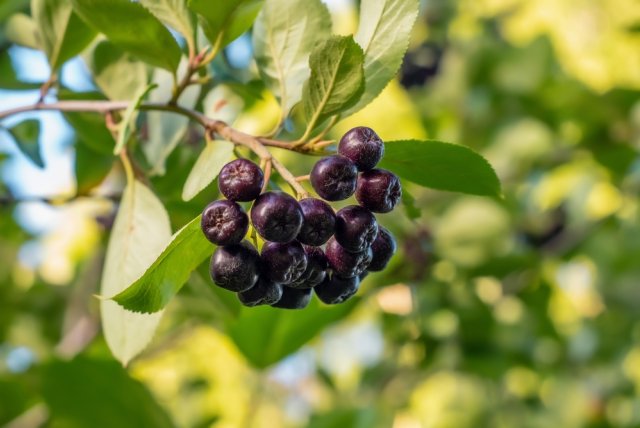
{"x": 283, "y": 36}
{"x": 127, "y": 125}
{"x": 211, "y": 160}
{"x": 131, "y": 27}
{"x": 225, "y": 21}
{"x": 62, "y": 34}
{"x": 22, "y": 30}
{"x": 140, "y": 232}
{"x": 167, "y": 129}
{"x": 175, "y": 14}
{"x": 170, "y": 271}
{"x": 383, "y": 33}
{"x": 118, "y": 75}
{"x": 336, "y": 80}
{"x": 441, "y": 166}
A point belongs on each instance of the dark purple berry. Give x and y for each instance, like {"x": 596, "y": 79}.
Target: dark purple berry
{"x": 319, "y": 222}
{"x": 293, "y": 298}
{"x": 334, "y": 289}
{"x": 264, "y": 292}
{"x": 378, "y": 190}
{"x": 334, "y": 178}
{"x": 241, "y": 180}
{"x": 344, "y": 263}
{"x": 224, "y": 222}
{"x": 363, "y": 146}
{"x": 316, "y": 269}
{"x": 356, "y": 228}
{"x": 276, "y": 216}
{"x": 383, "y": 249}
{"x": 283, "y": 262}
{"x": 235, "y": 267}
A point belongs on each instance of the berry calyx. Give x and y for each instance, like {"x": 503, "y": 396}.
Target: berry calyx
{"x": 383, "y": 248}
{"x": 315, "y": 272}
{"x": 276, "y": 216}
{"x": 283, "y": 263}
{"x": 293, "y": 298}
{"x": 224, "y": 222}
{"x": 319, "y": 222}
{"x": 235, "y": 267}
{"x": 334, "y": 178}
{"x": 264, "y": 292}
{"x": 378, "y": 190}
{"x": 334, "y": 289}
{"x": 356, "y": 228}
{"x": 362, "y": 146}
{"x": 241, "y": 180}
{"x": 345, "y": 263}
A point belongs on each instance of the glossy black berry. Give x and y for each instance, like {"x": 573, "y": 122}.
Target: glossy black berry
{"x": 319, "y": 222}
{"x": 264, "y": 292}
{"x": 276, "y": 216}
{"x": 224, "y": 222}
{"x": 334, "y": 289}
{"x": 356, "y": 228}
{"x": 363, "y": 146}
{"x": 235, "y": 267}
{"x": 316, "y": 269}
{"x": 240, "y": 180}
{"x": 378, "y": 190}
{"x": 334, "y": 178}
{"x": 283, "y": 263}
{"x": 293, "y": 298}
{"x": 383, "y": 248}
{"x": 345, "y": 263}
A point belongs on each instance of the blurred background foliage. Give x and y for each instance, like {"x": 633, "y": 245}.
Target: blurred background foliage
{"x": 518, "y": 312}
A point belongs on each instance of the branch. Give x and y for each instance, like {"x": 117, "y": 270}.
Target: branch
{"x": 255, "y": 144}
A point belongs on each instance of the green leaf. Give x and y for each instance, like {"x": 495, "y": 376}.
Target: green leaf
{"x": 63, "y": 35}
{"x": 441, "y": 166}
{"x": 336, "y": 80}
{"x": 175, "y": 14}
{"x": 266, "y": 335}
{"x": 131, "y": 27}
{"x": 283, "y": 36}
{"x": 118, "y": 75}
{"x": 225, "y": 20}
{"x": 384, "y": 33}
{"x": 140, "y": 232}
{"x": 166, "y": 129}
{"x": 166, "y": 276}
{"x": 127, "y": 124}
{"x": 213, "y": 157}
{"x": 22, "y": 30}
{"x": 27, "y": 136}
{"x": 87, "y": 392}
{"x": 91, "y": 167}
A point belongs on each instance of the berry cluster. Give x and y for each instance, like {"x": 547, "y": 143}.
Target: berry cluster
{"x": 292, "y": 262}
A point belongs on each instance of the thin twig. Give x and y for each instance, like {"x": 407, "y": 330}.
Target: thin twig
{"x": 302, "y": 178}
{"x": 255, "y": 144}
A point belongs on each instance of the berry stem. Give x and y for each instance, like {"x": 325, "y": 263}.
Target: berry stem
{"x": 301, "y": 178}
